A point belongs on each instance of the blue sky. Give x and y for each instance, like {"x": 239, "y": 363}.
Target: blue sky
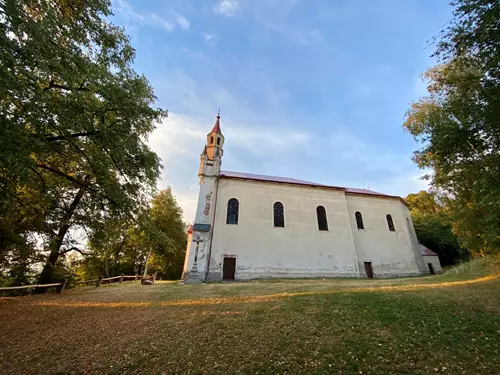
{"x": 312, "y": 89}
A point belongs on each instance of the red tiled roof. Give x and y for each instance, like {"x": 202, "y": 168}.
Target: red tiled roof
{"x": 293, "y": 181}
{"x": 216, "y": 128}
{"x": 425, "y": 251}
{"x": 190, "y": 230}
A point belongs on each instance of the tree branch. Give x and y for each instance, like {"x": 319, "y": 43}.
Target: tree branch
{"x": 62, "y": 174}
{"x": 78, "y": 135}
{"x": 75, "y": 135}
{"x": 41, "y": 178}
{"x": 77, "y": 182}
{"x": 86, "y": 157}
{"x": 54, "y": 85}
{"x": 73, "y": 249}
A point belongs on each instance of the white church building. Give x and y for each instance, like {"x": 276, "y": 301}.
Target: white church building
{"x": 251, "y": 226}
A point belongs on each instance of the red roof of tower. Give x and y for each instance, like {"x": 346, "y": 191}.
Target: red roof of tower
{"x": 216, "y": 128}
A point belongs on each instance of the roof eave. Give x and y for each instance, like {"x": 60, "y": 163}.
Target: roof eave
{"x": 282, "y": 182}
{"x": 379, "y": 195}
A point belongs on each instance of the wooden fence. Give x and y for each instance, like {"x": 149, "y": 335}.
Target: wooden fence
{"x": 62, "y": 285}
{"x": 59, "y": 287}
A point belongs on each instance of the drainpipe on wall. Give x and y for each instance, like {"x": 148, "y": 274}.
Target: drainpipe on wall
{"x": 212, "y": 230}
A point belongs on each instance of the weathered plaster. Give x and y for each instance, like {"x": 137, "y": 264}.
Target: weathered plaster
{"x": 391, "y": 253}
{"x": 436, "y": 264}
{"x": 299, "y": 249}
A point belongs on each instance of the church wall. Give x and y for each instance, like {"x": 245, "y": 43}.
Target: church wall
{"x": 204, "y": 215}
{"x": 436, "y": 264}
{"x": 186, "y": 258}
{"x": 298, "y": 250}
{"x": 391, "y": 253}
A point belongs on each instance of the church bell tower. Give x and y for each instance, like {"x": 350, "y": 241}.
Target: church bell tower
{"x": 211, "y": 156}
{"x": 200, "y": 239}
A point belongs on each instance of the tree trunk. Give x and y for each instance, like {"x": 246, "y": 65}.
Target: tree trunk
{"x": 139, "y": 269}
{"x": 147, "y": 260}
{"x": 56, "y": 242}
{"x": 107, "y": 270}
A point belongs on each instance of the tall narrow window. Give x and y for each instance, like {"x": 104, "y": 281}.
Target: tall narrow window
{"x": 218, "y": 141}
{"x": 390, "y": 223}
{"x": 321, "y": 214}
{"x": 279, "y": 215}
{"x": 211, "y": 140}
{"x": 232, "y": 211}
{"x": 359, "y": 220}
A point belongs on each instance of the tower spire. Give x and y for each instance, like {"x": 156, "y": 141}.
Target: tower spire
{"x": 216, "y": 128}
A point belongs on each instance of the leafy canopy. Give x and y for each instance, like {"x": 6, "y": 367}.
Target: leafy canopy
{"x": 457, "y": 123}
{"x": 433, "y": 227}
{"x": 75, "y": 118}
{"x": 122, "y": 246}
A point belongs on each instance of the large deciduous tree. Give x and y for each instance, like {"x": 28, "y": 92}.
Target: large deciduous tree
{"x": 458, "y": 123}
{"x": 122, "y": 245}
{"x": 170, "y": 244}
{"x": 75, "y": 118}
{"x": 433, "y": 227}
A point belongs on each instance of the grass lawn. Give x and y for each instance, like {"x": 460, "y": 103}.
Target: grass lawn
{"x": 443, "y": 324}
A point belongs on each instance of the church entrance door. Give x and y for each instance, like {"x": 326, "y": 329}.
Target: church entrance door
{"x": 431, "y": 268}
{"x": 369, "y": 270}
{"x": 228, "y": 268}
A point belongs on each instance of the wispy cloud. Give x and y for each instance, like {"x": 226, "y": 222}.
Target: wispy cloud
{"x": 298, "y": 97}
{"x": 275, "y": 150}
{"x": 207, "y": 37}
{"x": 180, "y": 138}
{"x": 227, "y": 7}
{"x": 265, "y": 141}
{"x": 295, "y": 34}
{"x": 153, "y": 19}
{"x": 181, "y": 20}
{"x": 368, "y": 157}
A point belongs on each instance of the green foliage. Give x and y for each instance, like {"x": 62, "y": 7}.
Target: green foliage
{"x": 433, "y": 227}
{"x": 121, "y": 246}
{"x": 166, "y": 216}
{"x": 75, "y": 118}
{"x": 457, "y": 123}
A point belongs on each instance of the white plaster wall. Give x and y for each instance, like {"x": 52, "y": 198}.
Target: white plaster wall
{"x": 186, "y": 258}
{"x": 436, "y": 264}
{"x": 414, "y": 240}
{"x": 204, "y": 215}
{"x": 299, "y": 249}
{"x": 391, "y": 253}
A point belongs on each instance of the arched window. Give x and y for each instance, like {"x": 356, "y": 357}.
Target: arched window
{"x": 211, "y": 140}
{"x": 232, "y": 211}
{"x": 279, "y": 215}
{"x": 321, "y": 214}
{"x": 390, "y": 223}
{"x": 359, "y": 220}
{"x": 218, "y": 141}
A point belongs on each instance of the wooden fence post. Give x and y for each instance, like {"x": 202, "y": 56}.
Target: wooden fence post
{"x": 98, "y": 282}
{"x": 63, "y": 285}
{"x": 121, "y": 280}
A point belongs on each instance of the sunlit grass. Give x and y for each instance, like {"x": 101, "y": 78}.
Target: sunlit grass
{"x": 441, "y": 324}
